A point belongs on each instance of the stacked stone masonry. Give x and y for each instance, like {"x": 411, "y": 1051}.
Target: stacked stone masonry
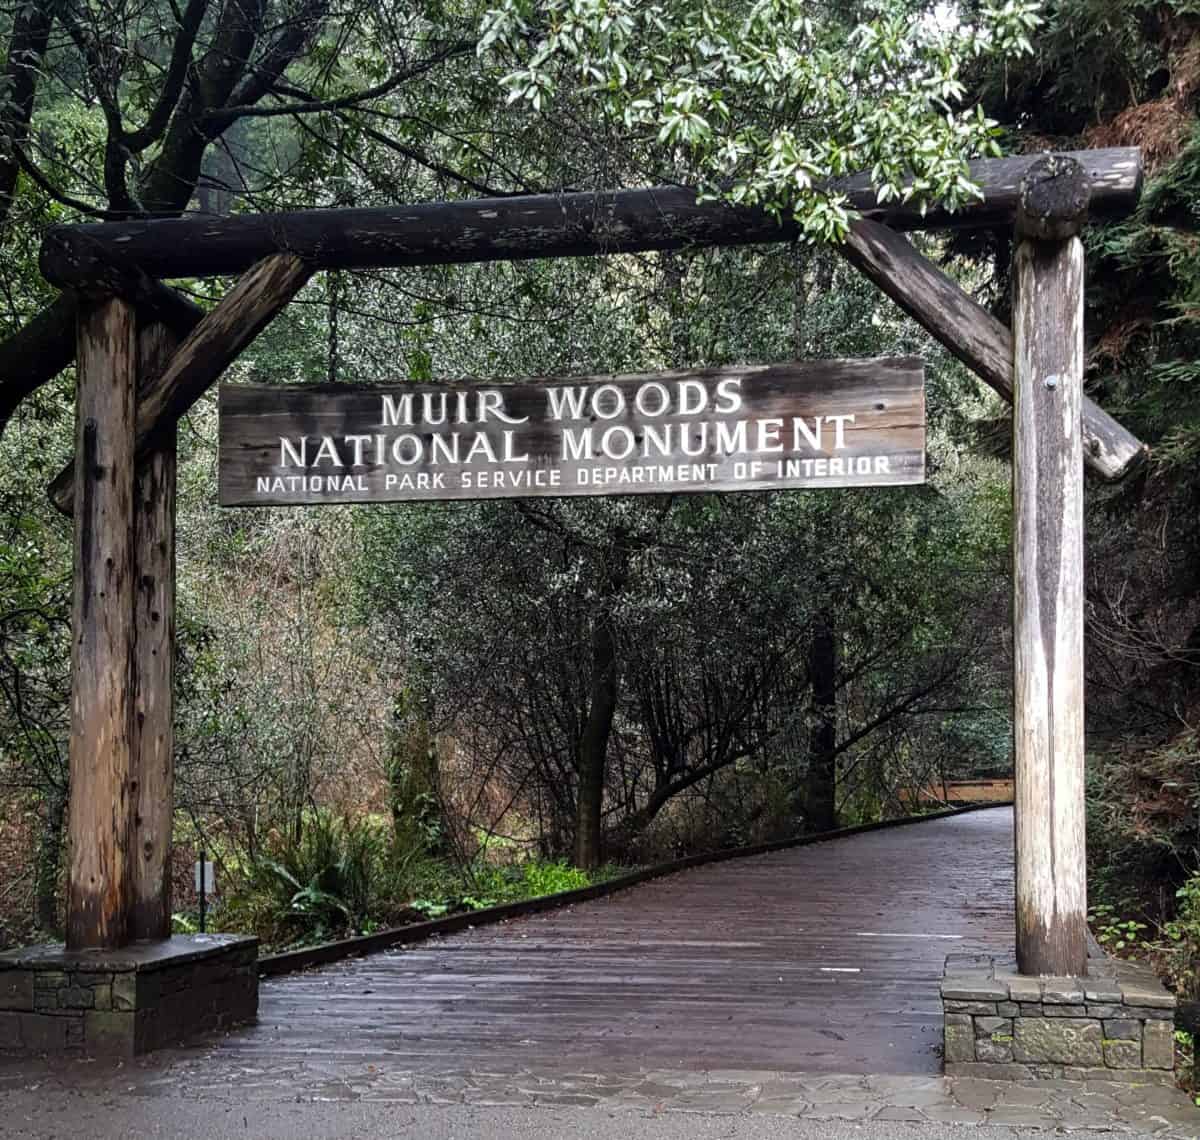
{"x": 1118, "y": 1023}
{"x": 120, "y": 1003}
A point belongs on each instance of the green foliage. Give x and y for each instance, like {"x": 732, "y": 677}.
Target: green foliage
{"x": 320, "y": 884}
{"x": 1182, "y": 936}
{"x": 1113, "y": 932}
{"x": 349, "y": 876}
{"x": 764, "y": 101}
{"x": 552, "y": 878}
{"x": 492, "y": 884}
{"x": 483, "y": 885}
{"x": 535, "y": 879}
{"x": 1156, "y": 253}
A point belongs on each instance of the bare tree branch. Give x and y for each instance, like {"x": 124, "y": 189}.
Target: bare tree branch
{"x": 177, "y": 71}
{"x": 26, "y": 48}
{"x": 311, "y": 105}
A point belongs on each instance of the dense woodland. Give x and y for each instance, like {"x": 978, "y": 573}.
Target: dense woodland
{"x": 392, "y": 711}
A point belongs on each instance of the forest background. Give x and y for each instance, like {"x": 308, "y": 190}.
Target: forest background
{"x": 391, "y": 712}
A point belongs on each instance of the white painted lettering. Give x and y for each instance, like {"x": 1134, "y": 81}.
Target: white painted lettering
{"x": 577, "y": 444}
{"x": 414, "y": 442}
{"x": 839, "y": 429}
{"x": 492, "y": 404}
{"x": 358, "y": 442}
{"x": 397, "y": 411}
{"x": 618, "y": 443}
{"x": 768, "y": 435}
{"x": 327, "y": 453}
{"x": 812, "y": 437}
{"x": 444, "y": 448}
{"x": 729, "y": 396}
{"x": 510, "y": 455}
{"x": 659, "y": 391}
{"x": 693, "y": 397}
{"x": 608, "y": 402}
{"x": 287, "y": 450}
{"x": 731, "y": 438}
{"x": 566, "y": 403}
{"x": 481, "y": 446}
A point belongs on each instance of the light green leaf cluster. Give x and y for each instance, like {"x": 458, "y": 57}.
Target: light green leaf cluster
{"x": 766, "y": 103}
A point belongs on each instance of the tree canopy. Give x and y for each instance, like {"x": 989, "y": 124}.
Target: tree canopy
{"x": 768, "y": 103}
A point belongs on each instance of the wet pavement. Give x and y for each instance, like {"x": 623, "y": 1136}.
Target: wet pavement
{"x": 156, "y": 1097}
{"x": 817, "y": 959}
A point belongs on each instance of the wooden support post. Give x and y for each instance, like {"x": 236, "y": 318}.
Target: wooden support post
{"x": 1048, "y": 592}
{"x": 102, "y": 643}
{"x": 154, "y": 659}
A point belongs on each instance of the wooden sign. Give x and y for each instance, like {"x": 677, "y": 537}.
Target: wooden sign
{"x": 825, "y": 423}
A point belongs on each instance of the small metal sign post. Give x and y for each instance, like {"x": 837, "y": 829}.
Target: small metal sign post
{"x": 206, "y": 884}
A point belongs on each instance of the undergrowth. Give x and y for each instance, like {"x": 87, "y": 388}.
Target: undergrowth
{"x": 341, "y": 877}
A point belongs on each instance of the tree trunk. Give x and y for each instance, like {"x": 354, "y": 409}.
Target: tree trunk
{"x": 593, "y": 749}
{"x": 49, "y": 860}
{"x": 821, "y": 779}
{"x": 27, "y": 46}
{"x": 602, "y": 708}
{"x": 820, "y": 775}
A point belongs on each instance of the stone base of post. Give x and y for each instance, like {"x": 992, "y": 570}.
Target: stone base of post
{"x": 1116, "y": 1024}
{"x": 121, "y": 1003}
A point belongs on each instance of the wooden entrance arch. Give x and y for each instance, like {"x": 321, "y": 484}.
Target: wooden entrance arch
{"x": 145, "y": 355}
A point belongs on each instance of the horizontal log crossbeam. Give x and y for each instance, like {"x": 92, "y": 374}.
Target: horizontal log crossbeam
{"x": 530, "y": 226}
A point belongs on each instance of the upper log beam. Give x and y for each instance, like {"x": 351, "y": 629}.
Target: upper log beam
{"x": 102, "y": 271}
{"x": 542, "y": 225}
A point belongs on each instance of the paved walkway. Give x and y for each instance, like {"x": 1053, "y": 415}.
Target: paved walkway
{"x": 207, "y": 1097}
{"x": 821, "y": 959}
{"x": 801, "y": 985}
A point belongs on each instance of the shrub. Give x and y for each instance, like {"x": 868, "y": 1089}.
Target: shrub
{"x": 552, "y": 878}
{"x": 1143, "y": 833}
{"x": 319, "y": 885}
{"x": 348, "y": 876}
{"x": 1182, "y": 939}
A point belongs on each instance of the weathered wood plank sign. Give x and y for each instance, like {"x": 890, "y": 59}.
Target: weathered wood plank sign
{"x": 831, "y": 423}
